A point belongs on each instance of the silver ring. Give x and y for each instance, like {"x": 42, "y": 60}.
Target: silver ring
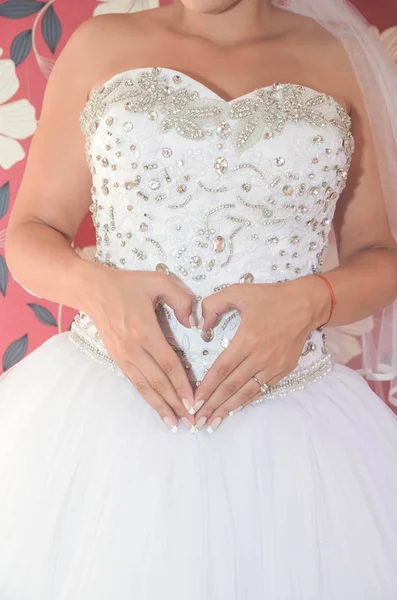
{"x": 264, "y": 387}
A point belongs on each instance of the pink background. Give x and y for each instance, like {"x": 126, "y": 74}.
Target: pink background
{"x": 24, "y": 327}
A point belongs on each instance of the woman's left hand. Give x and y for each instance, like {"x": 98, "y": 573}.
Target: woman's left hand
{"x": 276, "y": 320}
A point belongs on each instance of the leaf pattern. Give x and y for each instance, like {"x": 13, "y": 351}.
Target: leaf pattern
{"x": 4, "y": 198}
{"x": 51, "y": 28}
{"x": 15, "y": 352}
{"x": 43, "y": 314}
{"x": 3, "y": 275}
{"x": 18, "y": 9}
{"x": 21, "y": 46}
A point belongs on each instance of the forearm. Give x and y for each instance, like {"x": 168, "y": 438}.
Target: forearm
{"x": 43, "y": 261}
{"x": 362, "y": 285}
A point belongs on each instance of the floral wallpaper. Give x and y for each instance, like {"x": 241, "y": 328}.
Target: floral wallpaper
{"x": 32, "y": 35}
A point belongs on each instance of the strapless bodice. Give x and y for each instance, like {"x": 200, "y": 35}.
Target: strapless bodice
{"x": 213, "y": 192}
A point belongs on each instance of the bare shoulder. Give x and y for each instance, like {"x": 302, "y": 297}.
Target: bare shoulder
{"x": 107, "y": 44}
{"x": 323, "y": 56}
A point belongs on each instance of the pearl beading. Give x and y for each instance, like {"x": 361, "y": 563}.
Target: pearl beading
{"x": 294, "y": 382}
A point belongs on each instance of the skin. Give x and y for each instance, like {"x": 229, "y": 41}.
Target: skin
{"x": 212, "y": 41}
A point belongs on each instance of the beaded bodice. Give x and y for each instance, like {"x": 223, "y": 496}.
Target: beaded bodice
{"x": 214, "y": 192}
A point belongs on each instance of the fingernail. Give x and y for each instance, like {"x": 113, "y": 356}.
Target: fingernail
{"x": 189, "y": 426}
{"x": 188, "y": 406}
{"x": 201, "y": 323}
{"x": 236, "y": 410}
{"x": 193, "y": 321}
{"x": 198, "y": 405}
{"x": 201, "y": 422}
{"x": 214, "y": 425}
{"x": 170, "y": 424}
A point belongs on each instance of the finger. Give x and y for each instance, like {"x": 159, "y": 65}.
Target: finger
{"x": 178, "y": 298}
{"x": 216, "y": 305}
{"x": 275, "y": 379}
{"x": 222, "y": 368}
{"x": 149, "y": 341}
{"x": 267, "y": 381}
{"x": 160, "y": 383}
{"x": 150, "y": 396}
{"x": 229, "y": 386}
{"x": 247, "y": 394}
{"x": 171, "y": 366}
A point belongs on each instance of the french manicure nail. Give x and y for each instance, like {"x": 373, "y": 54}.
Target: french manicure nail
{"x": 198, "y": 405}
{"x": 214, "y": 425}
{"x": 201, "y": 422}
{"x": 170, "y": 424}
{"x": 193, "y": 321}
{"x": 236, "y": 410}
{"x": 188, "y": 406}
{"x": 201, "y": 323}
{"x": 189, "y": 426}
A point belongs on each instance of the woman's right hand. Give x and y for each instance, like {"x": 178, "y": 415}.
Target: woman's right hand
{"x": 123, "y": 310}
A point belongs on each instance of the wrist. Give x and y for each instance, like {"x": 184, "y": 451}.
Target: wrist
{"x": 91, "y": 278}
{"x": 318, "y": 298}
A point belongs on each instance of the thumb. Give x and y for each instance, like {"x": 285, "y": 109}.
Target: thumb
{"x": 179, "y": 299}
{"x": 216, "y": 305}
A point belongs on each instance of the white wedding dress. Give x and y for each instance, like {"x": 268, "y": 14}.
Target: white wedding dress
{"x": 293, "y": 498}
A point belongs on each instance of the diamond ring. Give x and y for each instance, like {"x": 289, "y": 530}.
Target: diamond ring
{"x": 264, "y": 387}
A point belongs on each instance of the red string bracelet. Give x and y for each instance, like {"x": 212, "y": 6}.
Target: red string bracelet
{"x": 333, "y": 299}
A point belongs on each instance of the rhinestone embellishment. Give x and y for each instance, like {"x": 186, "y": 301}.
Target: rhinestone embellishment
{"x": 195, "y": 261}
{"x": 224, "y": 130}
{"x": 268, "y": 108}
{"x": 155, "y": 184}
{"x": 219, "y": 244}
{"x": 221, "y": 165}
{"x": 162, "y": 199}
{"x": 162, "y": 268}
{"x": 208, "y": 335}
{"x": 247, "y": 278}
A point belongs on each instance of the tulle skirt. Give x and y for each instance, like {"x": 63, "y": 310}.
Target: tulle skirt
{"x": 291, "y": 499}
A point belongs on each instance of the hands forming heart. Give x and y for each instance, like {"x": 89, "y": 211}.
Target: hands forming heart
{"x": 276, "y": 320}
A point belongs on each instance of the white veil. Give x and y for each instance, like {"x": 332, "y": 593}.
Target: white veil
{"x": 377, "y": 78}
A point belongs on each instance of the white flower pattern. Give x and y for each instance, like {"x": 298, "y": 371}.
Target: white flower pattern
{"x": 17, "y": 118}
{"x": 123, "y": 6}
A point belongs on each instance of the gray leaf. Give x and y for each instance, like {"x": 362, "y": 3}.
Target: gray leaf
{"x": 18, "y": 9}
{"x": 15, "y": 351}
{"x": 42, "y": 313}
{"x": 21, "y": 46}
{"x": 51, "y": 28}
{"x": 3, "y": 275}
{"x": 4, "y": 198}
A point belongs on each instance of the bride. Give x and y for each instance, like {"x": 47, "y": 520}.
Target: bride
{"x": 191, "y": 437}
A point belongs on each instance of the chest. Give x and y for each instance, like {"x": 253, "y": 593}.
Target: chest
{"x": 201, "y": 186}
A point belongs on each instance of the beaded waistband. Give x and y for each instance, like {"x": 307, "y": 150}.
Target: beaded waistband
{"x": 297, "y": 380}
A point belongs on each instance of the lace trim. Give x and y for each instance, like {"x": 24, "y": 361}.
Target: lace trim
{"x": 298, "y": 380}
{"x": 264, "y": 111}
